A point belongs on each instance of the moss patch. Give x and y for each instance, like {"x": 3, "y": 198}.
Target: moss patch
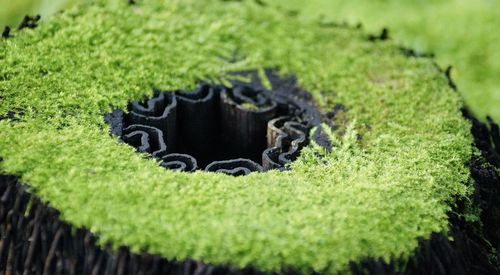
{"x": 389, "y": 180}
{"x": 462, "y": 33}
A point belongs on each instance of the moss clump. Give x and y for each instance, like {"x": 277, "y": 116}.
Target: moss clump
{"x": 391, "y": 178}
{"x": 250, "y": 106}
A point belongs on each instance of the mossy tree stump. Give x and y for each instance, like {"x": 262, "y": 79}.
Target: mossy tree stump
{"x": 398, "y": 161}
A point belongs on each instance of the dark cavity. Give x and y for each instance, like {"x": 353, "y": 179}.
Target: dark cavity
{"x": 234, "y": 130}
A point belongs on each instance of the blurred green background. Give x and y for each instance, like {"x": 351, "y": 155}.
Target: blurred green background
{"x": 462, "y": 33}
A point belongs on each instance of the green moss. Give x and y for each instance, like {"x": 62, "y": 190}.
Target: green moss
{"x": 250, "y": 106}
{"x": 390, "y": 179}
{"x": 12, "y": 12}
{"x": 462, "y": 33}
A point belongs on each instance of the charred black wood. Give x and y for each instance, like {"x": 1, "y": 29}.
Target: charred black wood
{"x": 29, "y": 22}
{"x": 485, "y": 171}
{"x": 322, "y": 139}
{"x": 115, "y": 120}
{"x": 495, "y": 136}
{"x": 199, "y": 123}
{"x": 285, "y": 139}
{"x": 146, "y": 139}
{"x": 222, "y": 124}
{"x": 486, "y": 138}
{"x": 234, "y": 167}
{"x": 6, "y": 32}
{"x": 13, "y": 115}
{"x": 159, "y": 112}
{"x": 451, "y": 83}
{"x": 409, "y": 52}
{"x": 179, "y": 162}
{"x": 384, "y": 35}
{"x": 244, "y": 115}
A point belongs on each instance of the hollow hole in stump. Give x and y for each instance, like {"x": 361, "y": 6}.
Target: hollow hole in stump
{"x": 234, "y": 130}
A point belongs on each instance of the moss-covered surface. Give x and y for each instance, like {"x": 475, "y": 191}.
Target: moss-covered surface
{"x": 394, "y": 173}
{"x": 462, "y": 33}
